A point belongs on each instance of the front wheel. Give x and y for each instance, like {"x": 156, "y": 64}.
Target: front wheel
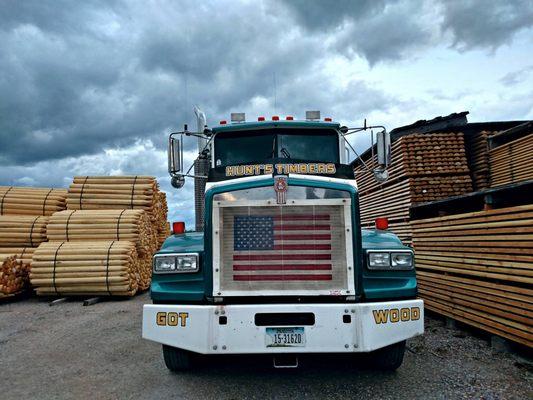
{"x": 177, "y": 360}
{"x": 388, "y": 358}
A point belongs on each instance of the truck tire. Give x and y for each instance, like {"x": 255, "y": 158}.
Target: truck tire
{"x": 177, "y": 360}
{"x": 388, "y": 358}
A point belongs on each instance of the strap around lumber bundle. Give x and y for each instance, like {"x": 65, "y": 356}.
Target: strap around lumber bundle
{"x": 54, "y": 272}
{"x": 3, "y": 197}
{"x": 107, "y": 268}
{"x": 133, "y": 191}
{"x": 44, "y": 202}
{"x": 118, "y": 224}
{"x": 81, "y": 193}
{"x": 66, "y": 227}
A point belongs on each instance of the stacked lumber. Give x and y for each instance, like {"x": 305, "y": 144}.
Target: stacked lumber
{"x": 477, "y": 151}
{"x": 163, "y": 233}
{"x": 31, "y": 201}
{"x": 14, "y": 269}
{"x": 86, "y": 268}
{"x": 22, "y": 231}
{"x": 89, "y": 225}
{"x": 477, "y": 268}
{"x": 511, "y": 162}
{"x": 118, "y": 193}
{"x": 424, "y": 167}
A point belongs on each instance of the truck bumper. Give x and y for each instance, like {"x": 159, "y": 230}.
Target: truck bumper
{"x": 203, "y": 329}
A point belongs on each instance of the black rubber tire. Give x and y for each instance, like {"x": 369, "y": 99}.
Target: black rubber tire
{"x": 177, "y": 360}
{"x": 388, "y": 358}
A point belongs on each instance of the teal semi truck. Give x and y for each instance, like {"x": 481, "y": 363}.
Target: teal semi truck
{"x": 281, "y": 266}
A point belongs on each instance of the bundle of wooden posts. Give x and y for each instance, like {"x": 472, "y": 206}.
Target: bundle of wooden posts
{"x": 22, "y": 230}
{"x": 14, "y": 269}
{"x": 118, "y": 225}
{"x": 86, "y": 268}
{"x": 424, "y": 167}
{"x": 118, "y": 193}
{"x": 31, "y": 201}
{"x": 477, "y": 268}
{"x": 511, "y": 162}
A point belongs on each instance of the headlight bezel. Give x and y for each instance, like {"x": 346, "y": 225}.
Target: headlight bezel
{"x": 392, "y": 265}
{"x": 176, "y": 256}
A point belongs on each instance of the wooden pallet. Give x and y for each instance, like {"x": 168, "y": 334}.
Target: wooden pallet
{"x": 477, "y": 267}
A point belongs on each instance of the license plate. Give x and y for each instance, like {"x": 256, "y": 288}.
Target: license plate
{"x": 285, "y": 337}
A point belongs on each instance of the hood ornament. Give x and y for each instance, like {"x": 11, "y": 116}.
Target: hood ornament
{"x": 280, "y": 187}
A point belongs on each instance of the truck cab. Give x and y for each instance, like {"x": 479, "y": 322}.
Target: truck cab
{"x": 282, "y": 266}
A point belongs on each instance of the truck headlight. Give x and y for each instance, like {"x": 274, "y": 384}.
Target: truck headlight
{"x": 390, "y": 259}
{"x": 402, "y": 259}
{"x": 378, "y": 260}
{"x": 175, "y": 263}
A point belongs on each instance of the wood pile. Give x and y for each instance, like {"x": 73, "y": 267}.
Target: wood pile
{"x": 86, "y": 268}
{"x": 31, "y": 201}
{"x": 511, "y": 162}
{"x": 477, "y": 151}
{"x": 14, "y": 269}
{"x": 22, "y": 231}
{"x": 424, "y": 167}
{"x": 477, "y": 268}
{"x": 89, "y": 225}
{"x": 118, "y": 193}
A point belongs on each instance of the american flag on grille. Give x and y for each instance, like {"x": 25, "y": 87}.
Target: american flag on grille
{"x": 295, "y": 247}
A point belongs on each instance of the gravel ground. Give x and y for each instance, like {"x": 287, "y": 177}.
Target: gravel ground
{"x": 74, "y": 352}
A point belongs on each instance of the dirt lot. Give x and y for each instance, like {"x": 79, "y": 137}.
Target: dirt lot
{"x": 74, "y": 352}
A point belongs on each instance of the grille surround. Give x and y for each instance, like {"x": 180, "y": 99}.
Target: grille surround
{"x": 342, "y": 281}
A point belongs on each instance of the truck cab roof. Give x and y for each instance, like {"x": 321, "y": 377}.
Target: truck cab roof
{"x": 241, "y": 126}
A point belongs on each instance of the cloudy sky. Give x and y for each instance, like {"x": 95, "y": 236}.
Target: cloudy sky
{"x": 94, "y": 87}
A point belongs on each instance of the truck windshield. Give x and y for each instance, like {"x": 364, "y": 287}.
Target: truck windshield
{"x": 232, "y": 148}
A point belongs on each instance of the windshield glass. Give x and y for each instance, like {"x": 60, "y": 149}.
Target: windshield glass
{"x": 233, "y": 148}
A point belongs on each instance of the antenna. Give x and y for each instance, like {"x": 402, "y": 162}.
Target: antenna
{"x": 275, "y": 95}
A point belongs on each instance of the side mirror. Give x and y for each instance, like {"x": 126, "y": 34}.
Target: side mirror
{"x": 383, "y": 149}
{"x": 175, "y": 155}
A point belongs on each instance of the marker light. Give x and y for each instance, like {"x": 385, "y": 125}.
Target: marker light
{"x": 382, "y": 224}
{"x": 275, "y": 118}
{"x": 178, "y": 227}
{"x": 327, "y": 119}
{"x": 261, "y": 119}
{"x": 223, "y": 122}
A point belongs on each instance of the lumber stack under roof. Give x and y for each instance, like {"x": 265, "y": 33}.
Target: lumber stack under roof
{"x": 477, "y": 268}
{"x": 86, "y": 268}
{"x": 31, "y": 201}
{"x": 424, "y": 167}
{"x": 512, "y": 162}
{"x": 477, "y": 150}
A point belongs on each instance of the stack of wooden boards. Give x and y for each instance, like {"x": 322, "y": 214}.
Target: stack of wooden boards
{"x": 511, "y": 162}
{"x": 24, "y": 213}
{"x": 424, "y": 167}
{"x": 477, "y": 153}
{"x": 477, "y": 268}
{"x": 104, "y": 242}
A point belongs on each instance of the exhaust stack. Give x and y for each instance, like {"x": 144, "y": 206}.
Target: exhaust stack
{"x": 201, "y": 168}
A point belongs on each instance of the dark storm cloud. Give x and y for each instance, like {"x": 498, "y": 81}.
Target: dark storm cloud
{"x": 130, "y": 72}
{"x": 367, "y": 28}
{"x": 486, "y": 24}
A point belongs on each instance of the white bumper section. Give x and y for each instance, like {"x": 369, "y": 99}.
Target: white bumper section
{"x": 198, "y": 328}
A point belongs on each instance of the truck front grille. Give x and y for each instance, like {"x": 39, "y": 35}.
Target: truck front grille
{"x": 303, "y": 248}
